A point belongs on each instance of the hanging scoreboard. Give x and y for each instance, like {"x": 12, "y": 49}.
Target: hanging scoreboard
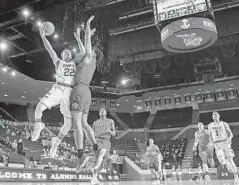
{"x": 171, "y": 9}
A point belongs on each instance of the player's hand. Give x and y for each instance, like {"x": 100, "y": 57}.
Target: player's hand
{"x": 77, "y": 33}
{"x": 42, "y": 30}
{"x": 92, "y": 32}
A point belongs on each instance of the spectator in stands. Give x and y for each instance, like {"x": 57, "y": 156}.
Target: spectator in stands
{"x": 28, "y": 134}
{"x": 49, "y": 166}
{"x": 14, "y": 146}
{"x": 31, "y": 164}
{"x": 7, "y": 142}
{"x": 8, "y": 132}
{"x": 18, "y": 133}
{"x": 20, "y": 147}
{"x": 26, "y": 163}
{"x": 35, "y": 165}
{"x": 13, "y": 134}
{"x": 23, "y": 134}
{"x": 6, "y": 159}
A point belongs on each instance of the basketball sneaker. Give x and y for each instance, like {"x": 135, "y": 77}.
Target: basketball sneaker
{"x": 156, "y": 182}
{"x": 37, "y": 131}
{"x": 99, "y": 157}
{"x": 95, "y": 181}
{"x": 55, "y": 141}
{"x": 236, "y": 179}
{"x": 81, "y": 162}
{"x": 207, "y": 178}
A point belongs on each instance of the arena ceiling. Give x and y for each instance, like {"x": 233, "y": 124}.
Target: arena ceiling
{"x": 27, "y": 56}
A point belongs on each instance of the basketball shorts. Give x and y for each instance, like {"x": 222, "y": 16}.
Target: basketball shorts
{"x": 154, "y": 163}
{"x": 206, "y": 152}
{"x": 58, "y": 95}
{"x": 80, "y": 99}
{"x": 104, "y": 144}
{"x": 224, "y": 149}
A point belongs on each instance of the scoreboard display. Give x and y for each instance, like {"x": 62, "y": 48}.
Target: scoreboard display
{"x": 171, "y": 9}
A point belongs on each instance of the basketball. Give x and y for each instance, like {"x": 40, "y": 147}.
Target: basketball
{"x": 50, "y": 28}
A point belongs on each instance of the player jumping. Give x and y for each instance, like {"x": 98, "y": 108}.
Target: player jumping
{"x": 103, "y": 128}
{"x": 152, "y": 154}
{"x": 205, "y": 148}
{"x": 66, "y": 127}
{"x": 221, "y": 136}
{"x": 60, "y": 92}
{"x": 80, "y": 98}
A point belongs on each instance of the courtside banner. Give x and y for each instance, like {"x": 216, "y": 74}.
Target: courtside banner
{"x": 16, "y": 175}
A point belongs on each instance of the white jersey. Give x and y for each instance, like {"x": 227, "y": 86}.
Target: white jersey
{"x": 65, "y": 72}
{"x": 218, "y": 131}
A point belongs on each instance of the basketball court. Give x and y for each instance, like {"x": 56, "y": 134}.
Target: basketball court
{"x": 216, "y": 182}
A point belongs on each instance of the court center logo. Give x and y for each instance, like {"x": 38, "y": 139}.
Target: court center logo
{"x": 191, "y": 40}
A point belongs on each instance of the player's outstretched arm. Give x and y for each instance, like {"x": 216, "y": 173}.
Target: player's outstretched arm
{"x": 88, "y": 35}
{"x": 47, "y": 45}
{"x": 81, "y": 54}
{"x": 195, "y": 142}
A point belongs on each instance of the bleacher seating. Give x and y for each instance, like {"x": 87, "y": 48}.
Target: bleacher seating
{"x": 118, "y": 126}
{"x": 52, "y": 117}
{"x": 30, "y": 148}
{"x": 127, "y": 119}
{"x": 124, "y": 146}
{"x": 140, "y": 119}
{"x": 227, "y": 116}
{"x": 172, "y": 118}
{"x": 19, "y": 112}
{"x": 172, "y": 151}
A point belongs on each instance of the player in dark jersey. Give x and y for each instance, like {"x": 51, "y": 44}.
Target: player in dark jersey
{"x": 103, "y": 128}
{"x": 80, "y": 98}
{"x": 205, "y": 148}
{"x": 153, "y": 156}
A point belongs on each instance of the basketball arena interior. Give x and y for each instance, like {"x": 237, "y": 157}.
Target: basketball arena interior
{"x": 167, "y": 65}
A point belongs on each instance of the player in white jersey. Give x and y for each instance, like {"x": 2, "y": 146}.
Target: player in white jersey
{"x": 221, "y": 136}
{"x": 60, "y": 92}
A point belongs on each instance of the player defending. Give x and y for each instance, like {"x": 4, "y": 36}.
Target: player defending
{"x": 103, "y": 128}
{"x": 152, "y": 153}
{"x": 60, "y": 92}
{"x": 221, "y": 136}
{"x": 205, "y": 148}
{"x": 67, "y": 125}
{"x": 80, "y": 98}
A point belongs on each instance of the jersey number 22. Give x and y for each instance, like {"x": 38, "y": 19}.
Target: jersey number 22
{"x": 69, "y": 72}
